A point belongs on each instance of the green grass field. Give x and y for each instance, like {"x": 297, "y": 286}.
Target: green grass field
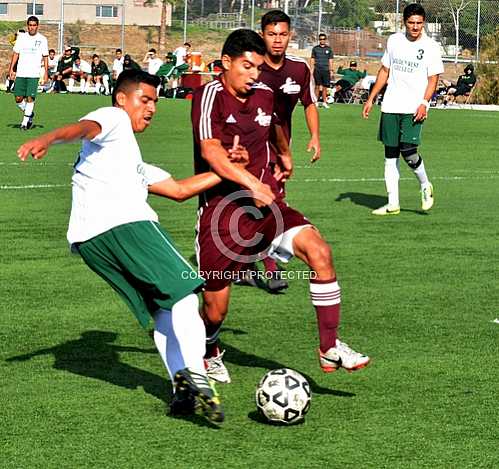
{"x": 82, "y": 385}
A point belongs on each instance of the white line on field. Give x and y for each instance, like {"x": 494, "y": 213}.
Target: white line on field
{"x": 441, "y": 178}
{"x": 33, "y": 186}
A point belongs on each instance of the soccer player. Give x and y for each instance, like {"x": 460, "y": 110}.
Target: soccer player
{"x": 245, "y": 216}
{"x": 322, "y": 63}
{"x": 290, "y": 79}
{"x": 118, "y": 236}
{"x": 410, "y": 67}
{"x": 29, "y": 51}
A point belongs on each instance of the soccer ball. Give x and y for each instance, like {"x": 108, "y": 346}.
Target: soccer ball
{"x": 283, "y": 396}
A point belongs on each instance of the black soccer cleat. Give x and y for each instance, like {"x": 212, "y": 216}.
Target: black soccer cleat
{"x": 192, "y": 387}
{"x": 30, "y": 121}
{"x": 276, "y": 283}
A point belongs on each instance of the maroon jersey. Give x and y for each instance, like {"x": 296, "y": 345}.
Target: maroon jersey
{"x": 217, "y": 114}
{"x": 290, "y": 82}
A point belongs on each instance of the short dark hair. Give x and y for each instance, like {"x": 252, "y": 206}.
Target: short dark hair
{"x": 118, "y": 50}
{"x": 322, "y": 36}
{"x": 243, "y": 40}
{"x": 414, "y": 9}
{"x": 152, "y": 49}
{"x": 95, "y": 56}
{"x": 51, "y": 50}
{"x": 33, "y": 18}
{"x": 188, "y": 44}
{"x": 273, "y": 17}
{"x": 129, "y": 78}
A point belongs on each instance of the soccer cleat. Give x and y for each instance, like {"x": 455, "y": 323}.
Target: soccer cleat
{"x": 276, "y": 283}
{"x": 23, "y": 127}
{"x": 247, "y": 278}
{"x": 196, "y": 387}
{"x": 427, "y": 197}
{"x": 342, "y": 356}
{"x": 325, "y": 105}
{"x": 216, "y": 370}
{"x": 386, "y": 210}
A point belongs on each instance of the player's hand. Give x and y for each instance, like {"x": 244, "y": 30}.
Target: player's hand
{"x": 12, "y": 75}
{"x": 421, "y": 114}
{"x": 262, "y": 195}
{"x": 37, "y": 147}
{"x": 367, "y": 109}
{"x": 315, "y": 145}
{"x": 284, "y": 167}
{"x": 238, "y": 153}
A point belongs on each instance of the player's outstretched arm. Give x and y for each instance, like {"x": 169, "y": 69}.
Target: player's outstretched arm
{"x": 39, "y": 146}
{"x": 381, "y": 80}
{"x": 184, "y": 189}
{"x": 312, "y": 118}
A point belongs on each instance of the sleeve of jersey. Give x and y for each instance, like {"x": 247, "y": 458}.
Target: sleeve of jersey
{"x": 308, "y": 93}
{"x": 17, "y": 46}
{"x": 436, "y": 66}
{"x": 45, "y": 50}
{"x": 206, "y": 121}
{"x": 153, "y": 174}
{"x": 110, "y": 119}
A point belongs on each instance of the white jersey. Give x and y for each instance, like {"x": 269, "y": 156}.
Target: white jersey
{"x": 153, "y": 65}
{"x": 410, "y": 64}
{"x": 118, "y": 66}
{"x": 180, "y": 53}
{"x": 31, "y": 50}
{"x": 110, "y": 181}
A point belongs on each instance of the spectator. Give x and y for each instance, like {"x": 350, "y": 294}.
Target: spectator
{"x": 181, "y": 53}
{"x": 99, "y": 75}
{"x": 167, "y": 72}
{"x": 65, "y": 68}
{"x": 117, "y": 64}
{"x": 129, "y": 64}
{"x": 350, "y": 76}
{"x": 81, "y": 70}
{"x": 53, "y": 63}
{"x": 322, "y": 64}
{"x": 152, "y": 61}
{"x": 464, "y": 85}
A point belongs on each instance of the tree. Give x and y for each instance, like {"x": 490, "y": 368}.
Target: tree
{"x": 351, "y": 13}
{"x": 456, "y": 7}
{"x": 162, "y": 25}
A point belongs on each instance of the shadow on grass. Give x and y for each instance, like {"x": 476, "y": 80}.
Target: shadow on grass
{"x": 238, "y": 357}
{"x": 371, "y": 201}
{"x": 18, "y": 126}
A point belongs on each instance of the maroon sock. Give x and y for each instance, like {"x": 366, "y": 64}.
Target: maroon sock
{"x": 270, "y": 264}
{"x": 212, "y": 333}
{"x": 326, "y": 298}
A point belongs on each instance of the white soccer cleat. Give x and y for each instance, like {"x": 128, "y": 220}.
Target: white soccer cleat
{"x": 342, "y": 356}
{"x": 325, "y": 105}
{"x": 427, "y": 199}
{"x": 386, "y": 210}
{"x": 216, "y": 370}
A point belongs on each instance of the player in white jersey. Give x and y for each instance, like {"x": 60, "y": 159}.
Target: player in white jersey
{"x": 117, "y": 233}
{"x": 29, "y": 51}
{"x": 410, "y": 68}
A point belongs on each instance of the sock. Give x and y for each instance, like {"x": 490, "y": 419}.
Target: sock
{"x": 270, "y": 264}
{"x": 179, "y": 336}
{"x": 420, "y": 173}
{"x": 392, "y": 176}
{"x": 82, "y": 85}
{"x": 326, "y": 298}
{"x": 22, "y": 105}
{"x": 28, "y": 111}
{"x": 71, "y": 84}
{"x": 105, "y": 80}
{"x": 212, "y": 334}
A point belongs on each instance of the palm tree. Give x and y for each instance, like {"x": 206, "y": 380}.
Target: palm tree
{"x": 162, "y": 26}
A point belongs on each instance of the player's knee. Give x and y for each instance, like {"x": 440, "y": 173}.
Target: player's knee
{"x": 410, "y": 154}
{"x": 392, "y": 152}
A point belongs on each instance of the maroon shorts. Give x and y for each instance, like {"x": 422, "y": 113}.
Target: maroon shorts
{"x": 230, "y": 238}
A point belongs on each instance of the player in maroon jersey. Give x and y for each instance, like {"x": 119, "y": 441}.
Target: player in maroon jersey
{"x": 291, "y": 80}
{"x": 245, "y": 216}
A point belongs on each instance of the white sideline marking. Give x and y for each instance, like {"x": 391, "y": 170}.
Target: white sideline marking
{"x": 441, "y": 178}
{"x": 33, "y": 186}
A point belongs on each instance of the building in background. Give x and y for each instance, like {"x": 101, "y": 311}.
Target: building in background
{"x": 136, "y": 12}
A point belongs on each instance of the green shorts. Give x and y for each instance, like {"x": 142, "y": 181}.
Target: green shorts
{"x": 140, "y": 261}
{"x": 26, "y": 87}
{"x": 397, "y": 128}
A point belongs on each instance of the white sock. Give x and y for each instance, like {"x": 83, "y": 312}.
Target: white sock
{"x": 392, "y": 176}
{"x": 22, "y": 105}
{"x": 420, "y": 173}
{"x": 180, "y": 336}
{"x": 105, "y": 80}
{"x": 82, "y": 85}
{"x": 28, "y": 111}
{"x": 71, "y": 84}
